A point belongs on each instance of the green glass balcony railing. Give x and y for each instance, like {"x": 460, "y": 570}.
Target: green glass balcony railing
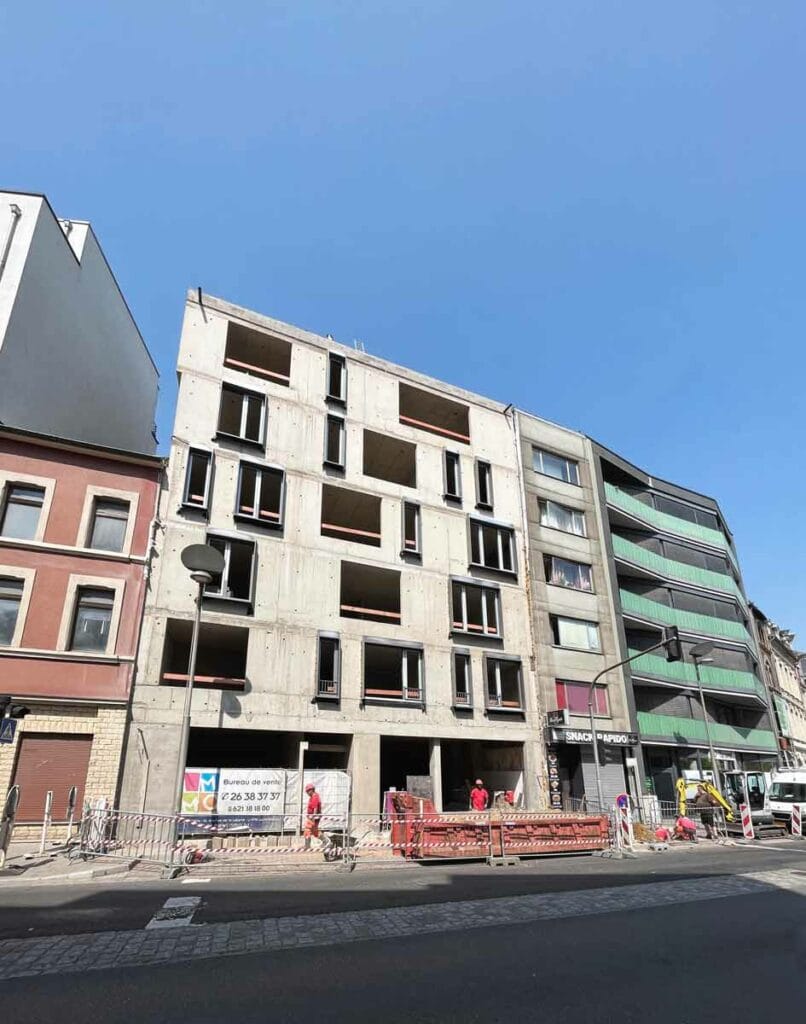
{"x": 683, "y": 672}
{"x": 691, "y": 622}
{"x": 668, "y": 523}
{"x": 668, "y": 727}
{"x": 671, "y": 569}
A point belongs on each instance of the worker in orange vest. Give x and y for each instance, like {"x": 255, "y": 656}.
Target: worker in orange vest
{"x": 313, "y": 814}
{"x": 479, "y": 797}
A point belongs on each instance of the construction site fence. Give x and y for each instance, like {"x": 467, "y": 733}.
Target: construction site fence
{"x": 176, "y": 840}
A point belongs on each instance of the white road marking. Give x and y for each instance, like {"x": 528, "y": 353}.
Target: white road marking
{"x": 177, "y": 912}
{"x": 195, "y": 881}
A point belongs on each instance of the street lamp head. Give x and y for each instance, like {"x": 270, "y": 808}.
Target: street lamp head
{"x": 203, "y": 561}
{"x": 701, "y": 651}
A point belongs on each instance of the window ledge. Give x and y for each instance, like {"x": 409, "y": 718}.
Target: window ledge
{"x": 333, "y": 465}
{"x": 389, "y": 703}
{"x": 581, "y": 650}
{"x": 454, "y": 499}
{"x": 327, "y": 698}
{"x": 86, "y": 656}
{"x": 484, "y": 506}
{"x": 406, "y": 553}
{"x": 495, "y": 710}
{"x": 221, "y": 435}
{"x": 468, "y": 634}
{"x": 69, "y": 549}
{"x": 237, "y": 602}
{"x": 575, "y": 590}
{"x": 511, "y": 573}
{"x": 335, "y": 400}
{"x": 265, "y": 524}
{"x": 187, "y": 506}
{"x": 458, "y": 706}
{"x": 557, "y": 479}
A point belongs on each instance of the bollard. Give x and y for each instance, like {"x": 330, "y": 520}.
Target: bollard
{"x": 7, "y": 821}
{"x": 747, "y": 822}
{"x": 72, "y": 797}
{"x": 46, "y": 820}
{"x": 796, "y": 825}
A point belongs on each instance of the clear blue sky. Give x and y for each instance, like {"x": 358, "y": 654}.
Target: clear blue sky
{"x": 593, "y": 210}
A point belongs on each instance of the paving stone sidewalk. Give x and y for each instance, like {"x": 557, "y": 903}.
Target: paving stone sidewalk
{"x": 97, "y": 951}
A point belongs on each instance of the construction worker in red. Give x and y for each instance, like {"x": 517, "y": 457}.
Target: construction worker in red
{"x": 313, "y": 814}
{"x": 479, "y": 797}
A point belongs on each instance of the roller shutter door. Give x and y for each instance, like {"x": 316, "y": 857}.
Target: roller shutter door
{"x": 53, "y": 761}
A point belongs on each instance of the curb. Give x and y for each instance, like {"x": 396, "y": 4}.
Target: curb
{"x": 86, "y": 875}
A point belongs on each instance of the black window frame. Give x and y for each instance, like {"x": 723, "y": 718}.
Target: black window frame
{"x": 107, "y": 602}
{"x": 494, "y": 658}
{"x": 505, "y": 528}
{"x": 334, "y": 694}
{"x": 8, "y": 592}
{"x": 109, "y": 500}
{"x": 485, "y": 587}
{"x": 334, "y": 358}
{"x": 408, "y": 648}
{"x": 217, "y": 595}
{"x": 245, "y": 394}
{"x": 254, "y": 518}
{"x": 464, "y": 654}
{"x": 417, "y": 550}
{"x": 8, "y": 492}
{"x": 452, "y": 458}
{"x": 342, "y": 427}
{"x": 209, "y": 458}
{"x": 483, "y": 472}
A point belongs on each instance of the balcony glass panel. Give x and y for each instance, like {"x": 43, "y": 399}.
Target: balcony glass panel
{"x": 669, "y": 727}
{"x": 683, "y": 672}
{"x": 634, "y": 553}
{"x": 691, "y": 622}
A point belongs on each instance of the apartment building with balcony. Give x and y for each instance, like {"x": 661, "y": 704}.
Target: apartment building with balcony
{"x": 575, "y": 627}
{"x": 372, "y": 614}
{"x": 75, "y": 542}
{"x": 673, "y": 562}
{"x": 781, "y": 668}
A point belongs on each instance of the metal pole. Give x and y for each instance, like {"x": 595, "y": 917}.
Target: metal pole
{"x": 714, "y": 768}
{"x": 185, "y": 734}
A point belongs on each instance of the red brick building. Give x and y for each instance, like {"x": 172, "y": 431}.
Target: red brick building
{"x": 76, "y": 524}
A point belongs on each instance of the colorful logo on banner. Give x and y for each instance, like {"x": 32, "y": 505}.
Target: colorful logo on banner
{"x": 200, "y": 791}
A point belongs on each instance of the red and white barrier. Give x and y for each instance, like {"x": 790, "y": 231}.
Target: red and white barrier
{"x": 626, "y": 837}
{"x": 747, "y": 822}
{"x": 797, "y": 821}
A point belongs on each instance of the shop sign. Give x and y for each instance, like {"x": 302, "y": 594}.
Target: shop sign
{"x": 615, "y": 739}
{"x": 554, "y": 779}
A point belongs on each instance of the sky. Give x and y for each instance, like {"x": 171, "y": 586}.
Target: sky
{"x": 592, "y": 210}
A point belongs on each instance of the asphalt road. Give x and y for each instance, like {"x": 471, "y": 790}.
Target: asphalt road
{"x": 687, "y": 964}
{"x": 112, "y": 904}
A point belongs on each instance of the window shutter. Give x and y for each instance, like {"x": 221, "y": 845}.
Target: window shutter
{"x": 54, "y": 761}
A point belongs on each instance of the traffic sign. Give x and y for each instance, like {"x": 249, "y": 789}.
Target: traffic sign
{"x": 8, "y": 726}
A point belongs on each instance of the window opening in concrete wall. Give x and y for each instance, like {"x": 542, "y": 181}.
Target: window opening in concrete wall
{"x": 242, "y": 415}
{"x": 92, "y": 618}
{"x": 500, "y": 765}
{"x": 21, "y": 511}
{"x": 350, "y": 515}
{"x": 328, "y": 667}
{"x": 557, "y": 466}
{"x": 198, "y": 477}
{"x": 392, "y": 673}
{"x": 578, "y": 633}
{"x": 574, "y": 697}
{"x": 484, "y": 485}
{"x": 220, "y": 659}
{"x": 261, "y": 494}
{"x": 370, "y": 593}
{"x": 560, "y": 517}
{"x": 434, "y": 413}
{"x": 335, "y": 442}
{"x": 10, "y": 601}
{"x": 476, "y": 609}
{"x": 492, "y": 546}
{"x": 336, "y": 378}
{"x": 462, "y": 682}
{"x": 236, "y": 582}
{"x": 412, "y": 530}
{"x": 389, "y": 458}
{"x": 110, "y": 518}
{"x": 561, "y": 572}
{"x": 452, "y": 477}
{"x": 401, "y": 758}
{"x": 504, "y": 691}
{"x": 257, "y": 353}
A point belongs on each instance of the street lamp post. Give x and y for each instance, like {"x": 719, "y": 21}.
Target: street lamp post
{"x": 203, "y": 562}
{"x": 699, "y": 655}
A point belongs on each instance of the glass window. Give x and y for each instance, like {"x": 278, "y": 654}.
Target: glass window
{"x": 241, "y": 414}
{"x": 788, "y": 792}
{"x": 575, "y": 633}
{"x": 109, "y": 521}
{"x": 235, "y": 581}
{"x": 504, "y": 684}
{"x": 92, "y": 619}
{"x": 462, "y": 692}
{"x": 563, "y": 573}
{"x": 574, "y": 697}
{"x": 335, "y": 441}
{"x": 484, "y": 484}
{"x": 555, "y": 465}
{"x": 392, "y": 673}
{"x": 337, "y": 378}
{"x": 260, "y": 494}
{"x": 491, "y": 546}
{"x": 23, "y": 507}
{"x": 560, "y": 517}
{"x": 476, "y": 609}
{"x": 328, "y": 682}
{"x": 197, "y": 479}
{"x": 411, "y": 529}
{"x": 453, "y": 476}
{"x": 10, "y": 600}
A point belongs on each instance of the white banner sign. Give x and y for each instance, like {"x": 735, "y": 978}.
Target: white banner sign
{"x": 259, "y": 791}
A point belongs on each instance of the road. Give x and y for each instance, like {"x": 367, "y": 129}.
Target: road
{"x": 688, "y": 936}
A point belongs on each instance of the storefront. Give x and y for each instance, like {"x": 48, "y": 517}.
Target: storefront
{"x": 571, "y": 767}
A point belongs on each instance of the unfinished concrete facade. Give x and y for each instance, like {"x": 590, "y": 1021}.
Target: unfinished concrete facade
{"x": 575, "y": 629}
{"x": 373, "y": 613}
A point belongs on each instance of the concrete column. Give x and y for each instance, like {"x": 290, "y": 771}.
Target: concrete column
{"x": 534, "y": 776}
{"x": 435, "y": 768}
{"x": 365, "y": 766}
{"x": 149, "y": 773}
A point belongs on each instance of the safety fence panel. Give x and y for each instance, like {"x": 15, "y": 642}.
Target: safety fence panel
{"x": 107, "y": 832}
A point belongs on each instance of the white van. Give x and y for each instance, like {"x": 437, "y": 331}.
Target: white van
{"x": 788, "y": 787}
